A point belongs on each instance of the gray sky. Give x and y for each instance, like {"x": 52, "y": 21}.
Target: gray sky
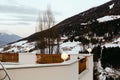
{"x": 20, "y": 16}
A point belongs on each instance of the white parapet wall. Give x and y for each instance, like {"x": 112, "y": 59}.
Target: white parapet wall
{"x": 88, "y": 73}
{"x": 67, "y": 70}
{"x": 59, "y": 71}
{"x": 27, "y": 58}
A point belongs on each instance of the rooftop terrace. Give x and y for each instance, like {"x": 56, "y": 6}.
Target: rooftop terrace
{"x": 68, "y": 70}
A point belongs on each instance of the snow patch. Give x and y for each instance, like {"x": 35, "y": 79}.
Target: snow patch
{"x": 71, "y": 47}
{"x": 108, "y": 18}
{"x": 19, "y": 46}
{"x": 1, "y": 49}
{"x": 115, "y": 43}
{"x": 19, "y": 43}
{"x": 84, "y": 23}
{"x": 15, "y": 49}
{"x": 118, "y": 39}
{"x": 109, "y": 70}
{"x": 111, "y": 45}
{"x": 111, "y": 6}
{"x": 67, "y": 47}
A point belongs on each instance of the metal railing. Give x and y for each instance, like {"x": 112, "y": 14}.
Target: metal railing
{"x": 6, "y": 73}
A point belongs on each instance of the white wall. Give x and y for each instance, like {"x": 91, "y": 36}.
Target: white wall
{"x": 88, "y": 73}
{"x": 27, "y": 58}
{"x": 55, "y": 72}
{"x": 59, "y": 71}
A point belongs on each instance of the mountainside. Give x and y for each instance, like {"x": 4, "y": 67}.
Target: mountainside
{"x": 6, "y": 37}
{"x": 109, "y": 8}
{"x": 102, "y": 21}
{"x": 98, "y": 25}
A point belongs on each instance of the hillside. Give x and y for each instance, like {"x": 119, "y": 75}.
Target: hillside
{"x": 98, "y": 25}
{"x": 101, "y": 22}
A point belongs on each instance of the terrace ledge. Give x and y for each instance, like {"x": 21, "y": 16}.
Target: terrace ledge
{"x": 10, "y": 65}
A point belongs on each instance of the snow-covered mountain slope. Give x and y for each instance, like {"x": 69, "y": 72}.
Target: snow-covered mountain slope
{"x": 96, "y": 22}
{"x": 101, "y": 22}
{"x": 67, "y": 47}
{"x": 7, "y": 37}
{"x": 20, "y": 46}
{"x": 110, "y": 8}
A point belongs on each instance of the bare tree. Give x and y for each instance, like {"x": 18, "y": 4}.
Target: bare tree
{"x": 46, "y": 21}
{"x": 50, "y": 22}
{"x": 39, "y": 28}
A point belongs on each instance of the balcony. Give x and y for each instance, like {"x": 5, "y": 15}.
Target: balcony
{"x": 27, "y": 69}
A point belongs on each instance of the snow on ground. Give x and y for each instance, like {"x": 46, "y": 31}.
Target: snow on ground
{"x": 67, "y": 47}
{"x": 111, "y": 6}
{"x": 111, "y": 45}
{"x": 15, "y": 49}
{"x": 69, "y": 44}
{"x": 118, "y": 40}
{"x": 36, "y": 51}
{"x": 115, "y": 43}
{"x": 84, "y": 23}
{"x": 107, "y": 69}
{"x": 108, "y": 18}
{"x": 18, "y": 46}
{"x": 71, "y": 47}
{"x": 19, "y": 43}
{"x": 24, "y": 44}
{"x": 1, "y": 49}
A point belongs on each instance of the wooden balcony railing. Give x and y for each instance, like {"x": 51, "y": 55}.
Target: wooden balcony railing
{"x": 41, "y": 58}
{"x": 49, "y": 58}
{"x": 9, "y": 57}
{"x": 82, "y": 65}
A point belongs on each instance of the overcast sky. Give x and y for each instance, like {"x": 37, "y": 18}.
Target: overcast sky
{"x": 20, "y": 16}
